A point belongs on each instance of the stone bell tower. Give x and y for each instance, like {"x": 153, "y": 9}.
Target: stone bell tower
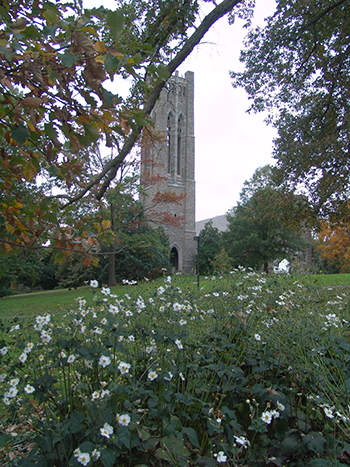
{"x": 167, "y": 166}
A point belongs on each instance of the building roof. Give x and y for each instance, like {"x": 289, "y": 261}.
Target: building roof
{"x": 220, "y": 222}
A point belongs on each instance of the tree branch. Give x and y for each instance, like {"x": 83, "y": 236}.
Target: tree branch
{"x": 111, "y": 167}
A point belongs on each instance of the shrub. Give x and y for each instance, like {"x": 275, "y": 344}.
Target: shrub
{"x": 248, "y": 372}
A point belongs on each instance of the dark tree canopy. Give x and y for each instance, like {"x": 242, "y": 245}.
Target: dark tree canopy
{"x": 298, "y": 68}
{"x": 260, "y": 227}
{"x": 210, "y": 245}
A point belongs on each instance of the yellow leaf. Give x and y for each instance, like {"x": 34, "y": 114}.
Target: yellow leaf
{"x": 29, "y": 171}
{"x": 8, "y": 248}
{"x": 106, "y": 224}
{"x": 108, "y": 116}
{"x": 100, "y": 47}
{"x": 9, "y": 228}
{"x": 100, "y": 58}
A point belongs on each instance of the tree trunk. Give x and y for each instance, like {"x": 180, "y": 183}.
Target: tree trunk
{"x": 111, "y": 253}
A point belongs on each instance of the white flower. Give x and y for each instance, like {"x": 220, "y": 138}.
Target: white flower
{"x": 182, "y": 322}
{"x": 168, "y": 280}
{"x": 152, "y": 375}
{"x": 95, "y": 395}
{"x": 3, "y": 377}
{"x": 76, "y": 452}
{"x": 104, "y": 361}
{"x": 29, "y": 389}
{"x": 131, "y": 338}
{"x": 328, "y": 412}
{"x": 179, "y": 345}
{"x": 12, "y": 392}
{"x": 94, "y": 284}
{"x": 88, "y": 364}
{"x": 160, "y": 290}
{"x": 96, "y": 454}
{"x": 281, "y": 407}
{"x": 113, "y": 309}
{"x": 83, "y": 458}
{"x": 46, "y": 319}
{"x": 182, "y": 376}
{"x": 162, "y": 308}
{"x": 266, "y": 417}
{"x": 104, "y": 321}
{"x": 124, "y": 367}
{"x": 242, "y": 441}
{"x": 124, "y": 419}
{"x": 107, "y": 430}
{"x": 4, "y": 350}
{"x": 105, "y": 291}
{"x": 23, "y": 357}
{"x": 275, "y": 414}
{"x": 220, "y": 457}
{"x": 39, "y": 320}
{"x": 71, "y": 358}
{"x": 29, "y": 347}
{"x": 170, "y": 377}
{"x": 140, "y": 303}
{"x": 14, "y": 382}
{"x": 177, "y": 306}
{"x": 45, "y": 337}
{"x": 257, "y": 337}
{"x": 15, "y": 328}
{"x": 6, "y": 400}
{"x": 128, "y": 313}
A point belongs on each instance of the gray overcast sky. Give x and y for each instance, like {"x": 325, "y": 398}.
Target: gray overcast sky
{"x": 230, "y": 144}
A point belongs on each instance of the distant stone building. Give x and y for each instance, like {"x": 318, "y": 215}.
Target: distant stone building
{"x": 219, "y": 222}
{"x": 167, "y": 165}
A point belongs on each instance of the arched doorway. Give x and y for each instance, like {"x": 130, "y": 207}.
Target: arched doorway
{"x": 174, "y": 258}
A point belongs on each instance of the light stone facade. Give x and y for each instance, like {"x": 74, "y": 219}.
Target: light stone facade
{"x": 167, "y": 165}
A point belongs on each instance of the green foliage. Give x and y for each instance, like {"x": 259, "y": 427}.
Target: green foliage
{"x": 26, "y": 270}
{"x": 254, "y": 369}
{"x": 72, "y": 273}
{"x": 222, "y": 262}
{"x": 259, "y": 231}
{"x": 139, "y": 254}
{"x": 297, "y": 67}
{"x": 210, "y": 241}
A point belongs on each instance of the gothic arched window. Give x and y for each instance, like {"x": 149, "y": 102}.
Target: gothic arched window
{"x": 179, "y": 145}
{"x": 169, "y": 142}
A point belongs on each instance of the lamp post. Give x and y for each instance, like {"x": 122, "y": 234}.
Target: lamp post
{"x": 197, "y": 237}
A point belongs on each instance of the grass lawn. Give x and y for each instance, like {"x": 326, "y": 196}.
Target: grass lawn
{"x": 61, "y": 300}
{"x": 327, "y": 280}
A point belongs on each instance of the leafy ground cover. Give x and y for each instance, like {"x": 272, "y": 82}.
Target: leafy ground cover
{"x": 253, "y": 370}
